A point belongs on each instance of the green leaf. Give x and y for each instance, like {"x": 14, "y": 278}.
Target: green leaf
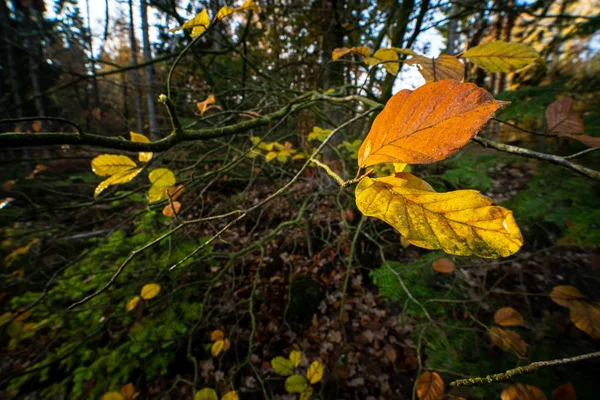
{"x": 206, "y": 394}
{"x": 296, "y": 384}
{"x": 282, "y": 366}
{"x": 501, "y": 56}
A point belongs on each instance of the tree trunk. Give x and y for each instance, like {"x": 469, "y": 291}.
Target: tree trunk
{"x": 148, "y": 71}
{"x": 452, "y": 31}
{"x": 10, "y": 68}
{"x": 137, "y": 89}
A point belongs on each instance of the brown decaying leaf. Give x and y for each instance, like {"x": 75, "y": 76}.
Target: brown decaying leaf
{"x": 588, "y": 140}
{"x": 561, "y": 117}
{"x": 172, "y": 211}
{"x": 438, "y": 69}
{"x": 563, "y": 294}
{"x": 508, "y": 316}
{"x": 444, "y": 265}
{"x": 428, "y": 124}
{"x": 508, "y": 340}
{"x": 564, "y": 392}
{"x": 586, "y": 316}
{"x": 430, "y": 386}
{"x": 522, "y": 392}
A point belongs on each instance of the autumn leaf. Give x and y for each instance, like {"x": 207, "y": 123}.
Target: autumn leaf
{"x": 112, "y": 396}
{"x": 217, "y": 347}
{"x": 586, "y": 316}
{"x": 206, "y": 394}
{"x": 522, "y": 392}
{"x": 508, "y": 316}
{"x": 463, "y": 222}
{"x": 318, "y": 134}
{"x": 430, "y": 386}
{"x": 9, "y": 184}
{"x": 428, "y": 124}
{"x": 199, "y": 24}
{"x": 205, "y": 105}
{"x": 150, "y": 291}
{"x": 224, "y": 12}
{"x": 561, "y": 118}
{"x": 117, "y": 179}
{"x": 382, "y": 55}
{"x": 314, "y": 373}
{"x": 563, "y": 294}
{"x": 112, "y": 164}
{"x": 437, "y": 69}
{"x": 590, "y": 141}
{"x": 295, "y": 358}
{"x": 132, "y": 304}
{"x": 248, "y": 5}
{"x": 508, "y": 340}
{"x": 307, "y": 393}
{"x": 36, "y": 126}
{"x": 217, "y": 334}
{"x": 564, "y": 392}
{"x": 501, "y": 56}
{"x": 18, "y": 252}
{"x": 296, "y": 384}
{"x": 128, "y": 392}
{"x": 282, "y": 366}
{"x": 342, "y": 51}
{"x": 143, "y": 156}
{"x": 161, "y": 179}
{"x": 233, "y": 395}
{"x": 443, "y": 265}
{"x": 174, "y": 192}
{"x": 171, "y": 211}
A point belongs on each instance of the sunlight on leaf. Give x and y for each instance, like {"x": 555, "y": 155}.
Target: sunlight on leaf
{"x": 390, "y": 55}
{"x": 132, "y": 304}
{"x": 437, "y": 69}
{"x": 199, "y": 24}
{"x": 117, "y": 179}
{"x": 249, "y": 5}
{"x": 143, "y": 156}
{"x": 161, "y": 179}
{"x": 150, "y": 291}
{"x": 224, "y": 12}
{"x": 296, "y": 384}
{"x": 111, "y": 164}
{"x": 430, "y": 386}
{"x": 501, "y": 56}
{"x": 342, "y": 51}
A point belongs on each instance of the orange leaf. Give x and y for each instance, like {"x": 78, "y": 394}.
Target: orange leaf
{"x": 427, "y": 125}
{"x": 203, "y": 105}
{"x": 586, "y": 316}
{"x": 172, "y": 211}
{"x": 36, "y": 126}
{"x": 437, "y": 69}
{"x": 217, "y": 334}
{"x": 508, "y": 340}
{"x": 430, "y": 386}
{"x": 563, "y": 294}
{"x": 561, "y": 117}
{"x": 508, "y": 316}
{"x": 175, "y": 191}
{"x": 128, "y": 392}
{"x": 564, "y": 392}
{"x": 443, "y": 265}
{"x": 522, "y": 392}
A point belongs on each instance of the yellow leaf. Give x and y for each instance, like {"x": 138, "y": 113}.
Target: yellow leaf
{"x": 437, "y": 69}
{"x": 206, "y": 394}
{"x": 295, "y": 358}
{"x": 463, "y": 222}
{"x": 586, "y": 316}
{"x": 150, "y": 291}
{"x": 230, "y": 396}
{"x": 508, "y": 316}
{"x": 400, "y": 167}
{"x": 111, "y": 164}
{"x": 217, "y": 334}
{"x": 314, "y": 373}
{"x": 225, "y": 12}
{"x": 428, "y": 124}
{"x": 199, "y": 24}
{"x": 296, "y": 384}
{"x": 132, "y": 304}
{"x": 501, "y": 56}
{"x": 342, "y": 51}
{"x": 407, "y": 52}
{"x": 248, "y": 5}
{"x": 522, "y": 392}
{"x": 508, "y": 340}
{"x": 120, "y": 178}
{"x": 563, "y": 294}
{"x": 161, "y": 179}
{"x": 307, "y": 393}
{"x": 143, "y": 156}
{"x": 430, "y": 386}
{"x": 282, "y": 366}
{"x": 385, "y": 55}
{"x": 271, "y": 156}
{"x": 112, "y": 396}
{"x": 443, "y": 265}
{"x": 217, "y": 347}
{"x": 203, "y": 105}
{"x": 21, "y": 251}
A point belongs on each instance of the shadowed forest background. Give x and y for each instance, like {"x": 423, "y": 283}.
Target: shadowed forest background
{"x": 226, "y": 254}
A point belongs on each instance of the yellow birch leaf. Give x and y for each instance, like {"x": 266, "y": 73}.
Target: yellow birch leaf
{"x": 224, "y": 12}
{"x": 150, "y": 291}
{"x": 112, "y": 164}
{"x": 462, "y": 223}
{"x": 385, "y": 55}
{"x": 206, "y": 394}
{"x": 522, "y": 392}
{"x": 248, "y": 5}
{"x": 508, "y": 316}
{"x": 143, "y": 156}
{"x": 161, "y": 179}
{"x": 295, "y": 358}
{"x": 508, "y": 340}
{"x": 307, "y": 393}
{"x": 132, "y": 304}
{"x": 563, "y": 294}
{"x": 296, "y": 384}
{"x": 314, "y": 373}
{"x": 437, "y": 69}
{"x": 231, "y": 396}
{"x": 217, "y": 347}
{"x": 112, "y": 396}
{"x": 586, "y": 316}
{"x": 501, "y": 56}
{"x": 430, "y": 386}
{"x": 407, "y": 52}
{"x": 271, "y": 156}
{"x": 117, "y": 179}
{"x": 342, "y": 51}
{"x": 199, "y": 24}
{"x": 282, "y": 366}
